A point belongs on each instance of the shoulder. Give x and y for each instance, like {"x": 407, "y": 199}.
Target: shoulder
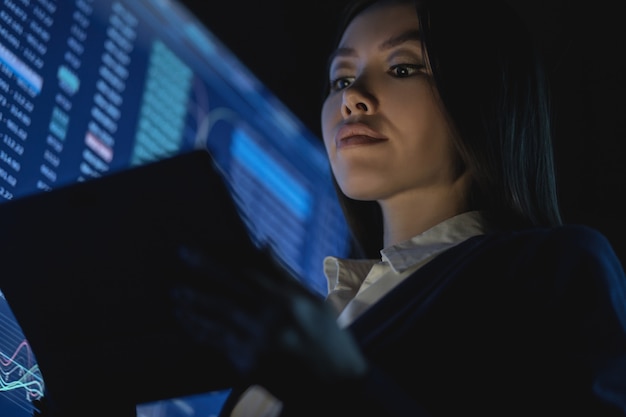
{"x": 572, "y": 252}
{"x": 576, "y": 244}
{"x": 574, "y": 239}
{"x": 556, "y": 242}
{"x": 573, "y": 258}
{"x": 580, "y": 237}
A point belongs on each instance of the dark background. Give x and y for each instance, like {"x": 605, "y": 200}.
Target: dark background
{"x": 285, "y": 44}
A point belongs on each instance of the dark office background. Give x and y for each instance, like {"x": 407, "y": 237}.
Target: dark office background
{"x": 285, "y": 44}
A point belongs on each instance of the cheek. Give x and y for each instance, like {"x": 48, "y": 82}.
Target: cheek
{"x": 422, "y": 118}
{"x": 330, "y": 117}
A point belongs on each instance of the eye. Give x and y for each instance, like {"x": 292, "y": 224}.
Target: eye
{"x": 341, "y": 83}
{"x": 406, "y": 70}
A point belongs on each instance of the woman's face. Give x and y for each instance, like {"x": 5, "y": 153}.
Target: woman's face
{"x": 384, "y": 129}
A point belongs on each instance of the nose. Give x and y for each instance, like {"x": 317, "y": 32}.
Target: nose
{"x": 356, "y": 100}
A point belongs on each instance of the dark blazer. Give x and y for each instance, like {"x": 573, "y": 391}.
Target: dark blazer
{"x": 526, "y": 323}
{"x": 519, "y": 323}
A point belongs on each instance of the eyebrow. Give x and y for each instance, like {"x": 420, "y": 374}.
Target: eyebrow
{"x": 409, "y": 35}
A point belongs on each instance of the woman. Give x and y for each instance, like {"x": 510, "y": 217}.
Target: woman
{"x": 469, "y": 295}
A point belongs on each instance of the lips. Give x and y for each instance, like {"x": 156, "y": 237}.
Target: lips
{"x": 357, "y": 134}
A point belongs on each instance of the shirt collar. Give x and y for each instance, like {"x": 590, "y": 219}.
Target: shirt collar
{"x": 347, "y": 275}
{"x": 438, "y": 238}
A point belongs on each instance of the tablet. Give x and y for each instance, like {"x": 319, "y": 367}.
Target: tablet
{"x": 87, "y": 270}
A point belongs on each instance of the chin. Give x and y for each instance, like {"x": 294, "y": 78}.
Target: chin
{"x": 362, "y": 193}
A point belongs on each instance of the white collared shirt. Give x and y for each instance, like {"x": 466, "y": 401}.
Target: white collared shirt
{"x": 354, "y": 285}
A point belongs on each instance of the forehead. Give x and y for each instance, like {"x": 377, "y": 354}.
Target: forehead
{"x": 379, "y": 22}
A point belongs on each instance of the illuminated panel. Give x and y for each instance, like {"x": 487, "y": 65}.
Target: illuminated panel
{"x": 98, "y": 86}
{"x": 20, "y": 379}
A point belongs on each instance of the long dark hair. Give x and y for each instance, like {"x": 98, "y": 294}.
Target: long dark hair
{"x": 492, "y": 84}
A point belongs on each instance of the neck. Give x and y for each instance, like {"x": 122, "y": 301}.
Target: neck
{"x": 406, "y": 216}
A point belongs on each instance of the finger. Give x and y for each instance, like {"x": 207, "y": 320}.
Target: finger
{"x": 231, "y": 345}
{"x": 228, "y": 312}
{"x": 217, "y": 277}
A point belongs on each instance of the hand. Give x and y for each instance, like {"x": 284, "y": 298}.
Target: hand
{"x": 272, "y": 329}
